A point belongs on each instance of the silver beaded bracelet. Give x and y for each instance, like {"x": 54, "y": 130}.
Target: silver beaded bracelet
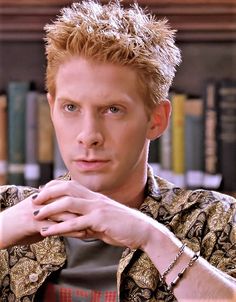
{"x": 180, "y": 274}
{"x": 169, "y": 268}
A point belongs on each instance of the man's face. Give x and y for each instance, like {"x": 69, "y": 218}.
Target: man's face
{"x": 101, "y": 124}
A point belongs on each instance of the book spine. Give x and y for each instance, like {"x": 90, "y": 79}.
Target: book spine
{"x": 212, "y": 175}
{"x": 154, "y": 156}
{"x": 3, "y": 139}
{"x": 166, "y": 150}
{"x": 166, "y": 155}
{"x": 45, "y": 140}
{"x": 227, "y": 110}
{"x": 16, "y": 116}
{"x": 194, "y": 142}
{"x": 178, "y": 138}
{"x": 31, "y": 144}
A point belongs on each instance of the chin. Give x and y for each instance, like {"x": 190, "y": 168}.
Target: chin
{"x": 95, "y": 187}
{"x": 92, "y": 183}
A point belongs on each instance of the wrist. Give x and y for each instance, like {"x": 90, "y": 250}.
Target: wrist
{"x": 162, "y": 246}
{"x": 159, "y": 238}
{"x": 4, "y": 236}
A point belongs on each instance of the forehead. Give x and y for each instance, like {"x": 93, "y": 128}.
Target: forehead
{"x": 79, "y": 76}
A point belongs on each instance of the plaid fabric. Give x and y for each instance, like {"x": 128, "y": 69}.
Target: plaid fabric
{"x": 57, "y": 293}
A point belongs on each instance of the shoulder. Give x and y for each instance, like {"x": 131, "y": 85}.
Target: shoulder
{"x": 201, "y": 198}
{"x": 166, "y": 197}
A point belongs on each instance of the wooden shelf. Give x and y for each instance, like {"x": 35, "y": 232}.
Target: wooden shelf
{"x": 195, "y": 20}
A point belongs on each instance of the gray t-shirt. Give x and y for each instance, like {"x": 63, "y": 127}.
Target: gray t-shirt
{"x": 89, "y": 274}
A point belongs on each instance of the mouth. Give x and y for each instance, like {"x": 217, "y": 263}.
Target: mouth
{"x": 91, "y": 165}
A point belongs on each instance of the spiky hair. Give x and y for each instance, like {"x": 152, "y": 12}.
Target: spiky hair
{"x": 110, "y": 33}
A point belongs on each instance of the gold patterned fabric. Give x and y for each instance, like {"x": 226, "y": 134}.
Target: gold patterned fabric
{"x": 204, "y": 220}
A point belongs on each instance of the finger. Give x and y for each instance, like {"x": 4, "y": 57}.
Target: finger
{"x": 44, "y": 224}
{"x": 63, "y": 217}
{"x": 59, "y": 188}
{"x": 79, "y": 224}
{"x": 83, "y": 234}
{"x": 46, "y": 191}
{"x": 72, "y": 205}
{"x": 80, "y": 235}
{"x": 51, "y": 183}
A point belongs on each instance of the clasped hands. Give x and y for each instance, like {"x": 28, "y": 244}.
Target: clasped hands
{"x": 66, "y": 208}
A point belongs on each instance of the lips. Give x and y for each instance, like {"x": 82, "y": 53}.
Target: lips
{"x": 91, "y": 165}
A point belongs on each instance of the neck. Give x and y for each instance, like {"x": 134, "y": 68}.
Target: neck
{"x": 131, "y": 196}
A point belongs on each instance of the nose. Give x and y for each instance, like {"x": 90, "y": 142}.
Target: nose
{"x": 90, "y": 131}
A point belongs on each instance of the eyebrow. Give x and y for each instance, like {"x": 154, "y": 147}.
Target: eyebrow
{"x": 62, "y": 99}
{"x": 107, "y": 102}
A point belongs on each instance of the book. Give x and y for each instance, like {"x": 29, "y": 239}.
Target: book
{"x": 194, "y": 142}
{"x": 227, "y": 124}
{"x": 31, "y": 172}
{"x": 166, "y": 152}
{"x": 166, "y": 155}
{"x": 17, "y": 92}
{"x": 3, "y": 139}
{"x": 154, "y": 156}
{"x": 45, "y": 140}
{"x": 212, "y": 176}
{"x": 178, "y": 138}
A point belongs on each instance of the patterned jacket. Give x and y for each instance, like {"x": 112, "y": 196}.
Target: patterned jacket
{"x": 204, "y": 220}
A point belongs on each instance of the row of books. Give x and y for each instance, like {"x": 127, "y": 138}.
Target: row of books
{"x": 198, "y": 150}
{"x": 29, "y": 153}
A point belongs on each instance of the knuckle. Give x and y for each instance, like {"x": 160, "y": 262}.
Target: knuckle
{"x": 48, "y": 184}
{"x": 73, "y": 224}
{"x": 70, "y": 203}
{"x": 101, "y": 211}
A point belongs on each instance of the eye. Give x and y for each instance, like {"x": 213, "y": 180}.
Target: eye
{"x": 70, "y": 107}
{"x": 114, "y": 109}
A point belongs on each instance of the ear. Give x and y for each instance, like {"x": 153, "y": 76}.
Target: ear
{"x": 159, "y": 119}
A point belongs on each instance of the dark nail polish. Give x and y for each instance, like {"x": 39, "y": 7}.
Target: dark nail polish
{"x": 44, "y": 229}
{"x": 36, "y": 212}
{"x": 34, "y": 196}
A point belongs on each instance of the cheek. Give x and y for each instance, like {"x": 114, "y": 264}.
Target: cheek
{"x": 64, "y": 136}
{"x": 132, "y": 137}
{"x": 62, "y": 128}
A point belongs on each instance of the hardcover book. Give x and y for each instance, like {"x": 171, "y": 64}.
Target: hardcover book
{"x": 212, "y": 175}
{"x": 194, "y": 142}
{"x": 17, "y": 92}
{"x": 227, "y": 110}
{"x": 3, "y": 139}
{"x": 45, "y": 140}
{"x": 31, "y": 144}
{"x": 154, "y": 156}
{"x": 166, "y": 152}
{"x": 178, "y": 138}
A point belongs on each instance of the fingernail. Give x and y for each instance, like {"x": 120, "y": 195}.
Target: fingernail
{"x": 34, "y": 196}
{"x": 36, "y": 212}
{"x": 44, "y": 229}
{"x": 41, "y": 187}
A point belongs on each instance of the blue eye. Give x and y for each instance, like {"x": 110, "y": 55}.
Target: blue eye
{"x": 70, "y": 107}
{"x": 114, "y": 109}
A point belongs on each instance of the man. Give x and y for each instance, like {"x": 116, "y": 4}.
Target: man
{"x": 108, "y": 75}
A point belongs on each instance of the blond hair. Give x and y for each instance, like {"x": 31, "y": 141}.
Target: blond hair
{"x": 109, "y": 33}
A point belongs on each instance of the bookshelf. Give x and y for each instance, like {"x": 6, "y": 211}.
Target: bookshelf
{"x": 206, "y": 36}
